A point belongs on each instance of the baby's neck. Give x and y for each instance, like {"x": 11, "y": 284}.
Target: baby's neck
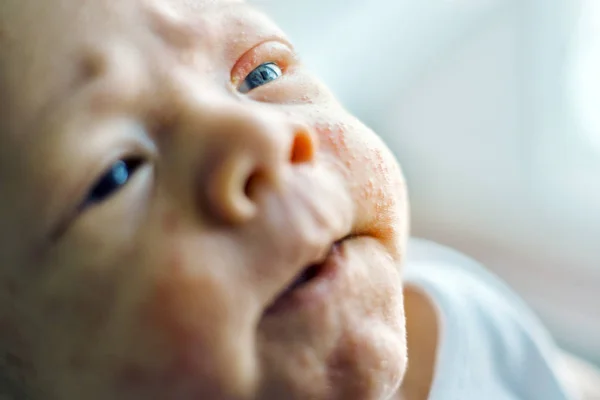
{"x": 422, "y": 327}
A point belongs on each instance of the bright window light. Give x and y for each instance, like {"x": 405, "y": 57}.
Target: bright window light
{"x": 585, "y": 74}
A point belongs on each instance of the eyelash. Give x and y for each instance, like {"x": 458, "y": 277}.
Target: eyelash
{"x": 278, "y": 57}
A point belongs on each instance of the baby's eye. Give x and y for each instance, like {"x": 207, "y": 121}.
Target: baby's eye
{"x": 262, "y": 75}
{"x": 113, "y": 180}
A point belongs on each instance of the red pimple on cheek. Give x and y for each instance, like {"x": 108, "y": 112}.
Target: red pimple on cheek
{"x": 379, "y": 162}
{"x": 368, "y": 189}
{"x": 324, "y": 130}
{"x": 334, "y": 134}
{"x": 306, "y": 99}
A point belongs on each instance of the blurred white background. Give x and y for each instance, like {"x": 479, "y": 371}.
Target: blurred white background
{"x": 493, "y": 109}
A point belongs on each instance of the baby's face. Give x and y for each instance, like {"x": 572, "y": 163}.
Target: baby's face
{"x": 187, "y": 213}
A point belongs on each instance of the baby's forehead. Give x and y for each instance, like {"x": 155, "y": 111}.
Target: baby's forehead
{"x": 39, "y": 39}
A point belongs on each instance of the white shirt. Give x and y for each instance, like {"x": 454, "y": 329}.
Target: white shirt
{"x": 491, "y": 346}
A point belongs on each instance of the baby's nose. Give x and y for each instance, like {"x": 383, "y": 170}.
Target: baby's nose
{"x": 252, "y": 152}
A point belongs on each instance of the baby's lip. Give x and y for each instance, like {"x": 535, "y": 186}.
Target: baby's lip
{"x": 309, "y": 272}
{"x": 298, "y": 227}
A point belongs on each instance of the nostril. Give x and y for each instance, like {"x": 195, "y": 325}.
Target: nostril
{"x": 230, "y": 187}
{"x": 303, "y": 148}
{"x": 251, "y": 183}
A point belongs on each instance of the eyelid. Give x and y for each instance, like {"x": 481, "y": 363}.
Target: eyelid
{"x": 129, "y": 150}
{"x": 133, "y": 145}
{"x": 274, "y": 50}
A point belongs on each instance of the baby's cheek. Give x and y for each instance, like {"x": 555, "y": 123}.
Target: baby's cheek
{"x": 15, "y": 366}
{"x": 333, "y": 138}
{"x": 362, "y": 153}
{"x": 372, "y": 172}
{"x": 62, "y": 312}
{"x": 184, "y": 330}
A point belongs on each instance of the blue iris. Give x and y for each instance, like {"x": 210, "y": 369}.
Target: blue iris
{"x": 117, "y": 176}
{"x": 262, "y": 75}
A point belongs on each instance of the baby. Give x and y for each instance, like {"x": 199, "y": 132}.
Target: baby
{"x": 187, "y": 213}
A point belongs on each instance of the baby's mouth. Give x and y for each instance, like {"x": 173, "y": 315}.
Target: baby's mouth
{"x": 306, "y": 276}
{"x": 303, "y": 283}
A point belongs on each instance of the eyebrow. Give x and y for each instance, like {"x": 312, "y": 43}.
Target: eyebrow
{"x": 172, "y": 28}
{"x": 55, "y": 101}
{"x": 89, "y": 67}
{"x": 182, "y": 31}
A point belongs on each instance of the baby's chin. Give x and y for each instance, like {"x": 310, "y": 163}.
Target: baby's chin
{"x": 341, "y": 338}
{"x": 349, "y": 344}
